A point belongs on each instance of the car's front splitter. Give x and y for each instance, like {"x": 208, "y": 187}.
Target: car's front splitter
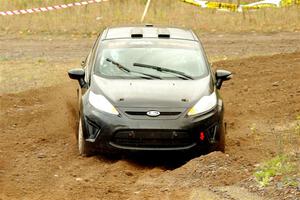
{"x": 110, "y": 132}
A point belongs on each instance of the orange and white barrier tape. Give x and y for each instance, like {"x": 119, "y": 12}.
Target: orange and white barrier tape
{"x": 49, "y": 8}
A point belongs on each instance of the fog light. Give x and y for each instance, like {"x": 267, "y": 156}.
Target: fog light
{"x": 93, "y": 129}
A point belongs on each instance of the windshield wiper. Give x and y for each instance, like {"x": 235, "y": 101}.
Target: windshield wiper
{"x": 125, "y": 69}
{"x": 162, "y": 69}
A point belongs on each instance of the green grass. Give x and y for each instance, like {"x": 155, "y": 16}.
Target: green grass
{"x": 285, "y": 167}
{"x": 278, "y": 166}
{"x": 3, "y": 58}
{"x": 93, "y": 18}
{"x": 297, "y": 127}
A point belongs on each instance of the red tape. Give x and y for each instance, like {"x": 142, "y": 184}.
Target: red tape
{"x": 49, "y": 8}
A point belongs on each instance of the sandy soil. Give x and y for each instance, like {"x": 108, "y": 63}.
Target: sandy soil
{"x": 38, "y": 154}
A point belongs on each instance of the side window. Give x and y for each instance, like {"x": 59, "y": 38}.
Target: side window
{"x": 89, "y": 62}
{"x": 87, "y": 67}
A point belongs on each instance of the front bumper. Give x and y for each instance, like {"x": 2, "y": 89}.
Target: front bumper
{"x": 106, "y": 132}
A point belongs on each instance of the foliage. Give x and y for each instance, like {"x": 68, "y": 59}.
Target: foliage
{"x": 93, "y": 18}
{"x": 297, "y": 127}
{"x": 278, "y": 166}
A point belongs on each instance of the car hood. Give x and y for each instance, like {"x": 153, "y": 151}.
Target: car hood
{"x": 151, "y": 93}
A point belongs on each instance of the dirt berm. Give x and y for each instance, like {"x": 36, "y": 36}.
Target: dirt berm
{"x": 39, "y": 158}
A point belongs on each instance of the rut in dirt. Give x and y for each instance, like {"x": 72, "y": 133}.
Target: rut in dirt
{"x": 39, "y": 158}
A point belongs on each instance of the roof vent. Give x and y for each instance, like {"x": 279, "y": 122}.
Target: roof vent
{"x": 136, "y": 33}
{"x": 163, "y": 33}
{"x": 148, "y": 25}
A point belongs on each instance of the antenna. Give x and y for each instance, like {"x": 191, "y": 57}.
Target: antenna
{"x": 146, "y": 10}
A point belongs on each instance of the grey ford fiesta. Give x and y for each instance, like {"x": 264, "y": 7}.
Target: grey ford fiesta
{"x": 147, "y": 88}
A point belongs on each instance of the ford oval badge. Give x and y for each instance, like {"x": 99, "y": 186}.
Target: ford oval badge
{"x": 153, "y": 113}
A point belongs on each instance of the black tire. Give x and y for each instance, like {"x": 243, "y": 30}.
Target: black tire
{"x": 83, "y": 146}
{"x": 221, "y": 143}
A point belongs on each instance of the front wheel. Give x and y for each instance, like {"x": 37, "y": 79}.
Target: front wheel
{"x": 221, "y": 144}
{"x": 83, "y": 147}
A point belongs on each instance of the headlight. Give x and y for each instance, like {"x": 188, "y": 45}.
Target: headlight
{"x": 101, "y": 103}
{"x": 205, "y": 104}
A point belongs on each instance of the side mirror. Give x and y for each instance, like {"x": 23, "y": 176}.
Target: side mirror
{"x": 222, "y": 75}
{"x": 77, "y": 74}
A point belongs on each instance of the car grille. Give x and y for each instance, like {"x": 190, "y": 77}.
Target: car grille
{"x": 153, "y": 138}
{"x": 145, "y": 113}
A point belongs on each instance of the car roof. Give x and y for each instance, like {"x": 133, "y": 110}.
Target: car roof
{"x": 148, "y": 31}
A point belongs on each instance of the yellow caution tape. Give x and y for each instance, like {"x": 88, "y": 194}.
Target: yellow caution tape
{"x": 191, "y": 2}
{"x": 239, "y": 8}
{"x": 289, "y": 2}
{"x": 225, "y": 6}
{"x": 266, "y": 5}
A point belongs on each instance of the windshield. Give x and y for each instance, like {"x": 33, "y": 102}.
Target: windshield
{"x": 176, "y": 59}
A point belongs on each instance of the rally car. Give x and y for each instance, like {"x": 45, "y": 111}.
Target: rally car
{"x": 149, "y": 88}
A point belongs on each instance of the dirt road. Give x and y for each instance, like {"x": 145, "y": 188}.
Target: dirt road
{"x": 38, "y": 155}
